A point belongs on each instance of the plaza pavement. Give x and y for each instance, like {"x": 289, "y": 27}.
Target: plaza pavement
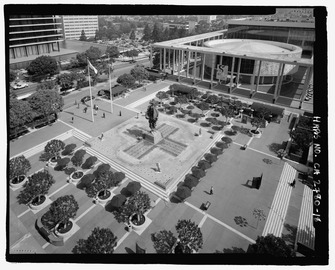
{"x": 228, "y": 177}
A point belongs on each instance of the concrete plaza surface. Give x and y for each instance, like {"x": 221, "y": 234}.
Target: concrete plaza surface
{"x": 232, "y": 200}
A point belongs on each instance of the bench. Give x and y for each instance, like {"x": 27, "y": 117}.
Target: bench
{"x": 207, "y": 205}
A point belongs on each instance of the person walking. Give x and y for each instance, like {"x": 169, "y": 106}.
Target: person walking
{"x": 293, "y": 183}
{"x": 97, "y": 108}
{"x": 85, "y": 109}
{"x": 72, "y": 119}
{"x": 120, "y": 113}
{"x": 102, "y": 136}
{"x": 211, "y": 190}
{"x": 103, "y": 115}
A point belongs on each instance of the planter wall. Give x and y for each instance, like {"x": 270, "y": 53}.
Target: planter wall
{"x": 64, "y": 234}
{"x": 136, "y": 227}
{"x": 18, "y": 185}
{"x": 102, "y": 201}
{"x": 76, "y": 180}
{"x": 40, "y": 206}
{"x": 256, "y": 135}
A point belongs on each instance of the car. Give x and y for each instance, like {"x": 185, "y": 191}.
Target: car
{"x": 87, "y": 98}
{"x": 132, "y": 61}
{"x": 19, "y": 85}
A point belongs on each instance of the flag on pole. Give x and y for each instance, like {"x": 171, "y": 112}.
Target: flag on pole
{"x": 92, "y": 67}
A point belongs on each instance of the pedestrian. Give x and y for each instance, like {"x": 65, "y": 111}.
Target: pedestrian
{"x": 137, "y": 115}
{"x": 102, "y": 136}
{"x": 103, "y": 115}
{"x": 97, "y": 108}
{"x": 93, "y": 106}
{"x": 78, "y": 105}
{"x": 120, "y": 113}
{"x": 72, "y": 119}
{"x": 85, "y": 109}
{"x": 211, "y": 190}
{"x": 293, "y": 183}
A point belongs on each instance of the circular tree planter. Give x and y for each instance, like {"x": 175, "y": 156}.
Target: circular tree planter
{"x": 53, "y": 161}
{"x": 76, "y": 176}
{"x": 18, "y": 181}
{"x": 135, "y": 224}
{"x": 64, "y": 230}
{"x": 255, "y": 134}
{"x": 103, "y": 198}
{"x": 35, "y": 205}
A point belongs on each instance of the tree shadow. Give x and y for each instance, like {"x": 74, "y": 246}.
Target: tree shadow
{"x": 205, "y": 124}
{"x": 274, "y": 147}
{"x": 291, "y": 235}
{"x": 125, "y": 192}
{"x": 191, "y": 120}
{"x": 230, "y": 133}
{"x": 241, "y": 221}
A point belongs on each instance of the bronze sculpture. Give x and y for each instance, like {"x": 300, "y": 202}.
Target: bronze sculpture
{"x": 152, "y": 115}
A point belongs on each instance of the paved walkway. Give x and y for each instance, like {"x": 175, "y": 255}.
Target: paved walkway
{"x": 276, "y": 218}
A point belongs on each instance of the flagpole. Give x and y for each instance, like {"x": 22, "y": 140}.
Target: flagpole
{"x": 89, "y": 81}
{"x": 110, "y": 85}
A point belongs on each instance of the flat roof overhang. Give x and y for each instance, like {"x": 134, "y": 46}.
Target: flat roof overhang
{"x": 215, "y": 51}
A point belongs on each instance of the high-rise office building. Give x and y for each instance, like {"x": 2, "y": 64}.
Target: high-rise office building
{"x": 31, "y": 35}
{"x": 73, "y": 26}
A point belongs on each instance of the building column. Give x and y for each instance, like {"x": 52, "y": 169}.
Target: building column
{"x": 277, "y": 83}
{"x": 174, "y": 59}
{"x": 150, "y": 56}
{"x": 203, "y": 66}
{"x": 258, "y": 74}
{"x": 305, "y": 87}
{"x": 188, "y": 63}
{"x": 194, "y": 66}
{"x": 281, "y": 79}
{"x": 25, "y": 48}
{"x": 212, "y": 72}
{"x": 182, "y": 60}
{"x": 231, "y": 75}
{"x": 160, "y": 58}
{"x": 252, "y": 83}
{"x": 238, "y": 70}
{"x": 169, "y": 62}
{"x": 38, "y": 51}
{"x": 179, "y": 61}
{"x": 164, "y": 59}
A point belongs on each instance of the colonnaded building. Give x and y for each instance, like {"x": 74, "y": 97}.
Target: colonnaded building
{"x": 267, "y": 61}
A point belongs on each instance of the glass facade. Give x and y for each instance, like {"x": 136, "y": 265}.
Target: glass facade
{"x": 33, "y": 35}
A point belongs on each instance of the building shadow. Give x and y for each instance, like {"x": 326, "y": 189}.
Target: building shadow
{"x": 248, "y": 184}
{"x": 129, "y": 250}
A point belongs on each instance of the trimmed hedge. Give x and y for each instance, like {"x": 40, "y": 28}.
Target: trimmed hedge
{"x": 78, "y": 157}
{"x": 204, "y": 165}
{"x": 61, "y": 164}
{"x": 119, "y": 176}
{"x": 198, "y": 173}
{"x": 103, "y": 168}
{"x": 226, "y": 140}
{"x": 211, "y": 158}
{"x": 69, "y": 149}
{"x": 191, "y": 182}
{"x": 89, "y": 162}
{"x": 216, "y": 151}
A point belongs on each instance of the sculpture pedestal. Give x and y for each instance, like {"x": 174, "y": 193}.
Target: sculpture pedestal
{"x": 154, "y": 137}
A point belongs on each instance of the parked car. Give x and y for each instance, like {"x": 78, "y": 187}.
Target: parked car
{"x": 87, "y": 98}
{"x": 19, "y": 85}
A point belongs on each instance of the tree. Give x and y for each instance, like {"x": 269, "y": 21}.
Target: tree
{"x": 212, "y": 99}
{"x": 228, "y": 112}
{"x": 271, "y": 245}
{"x": 102, "y": 182}
{"x": 78, "y": 157}
{"x": 43, "y": 65}
{"x": 62, "y": 209}
{"x": 125, "y": 27}
{"x": 147, "y": 33}
{"x": 259, "y": 215}
{"x": 132, "y": 53}
{"x": 20, "y": 113}
{"x": 181, "y": 100}
{"x": 126, "y": 80}
{"x": 157, "y": 32}
{"x": 46, "y": 102}
{"x": 139, "y": 73}
{"x": 137, "y": 204}
{"x": 302, "y": 137}
{"x": 203, "y": 27}
{"x": 47, "y": 85}
{"x": 93, "y": 54}
{"x": 112, "y": 52}
{"x": 190, "y": 236}
{"x": 132, "y": 35}
{"x": 82, "y": 36}
{"x": 38, "y": 184}
{"x": 52, "y": 149}
{"x": 18, "y": 166}
{"x": 65, "y": 81}
{"x": 162, "y": 95}
{"x": 203, "y": 106}
{"x": 101, "y": 241}
{"x": 257, "y": 123}
{"x": 163, "y": 241}
{"x": 12, "y": 75}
